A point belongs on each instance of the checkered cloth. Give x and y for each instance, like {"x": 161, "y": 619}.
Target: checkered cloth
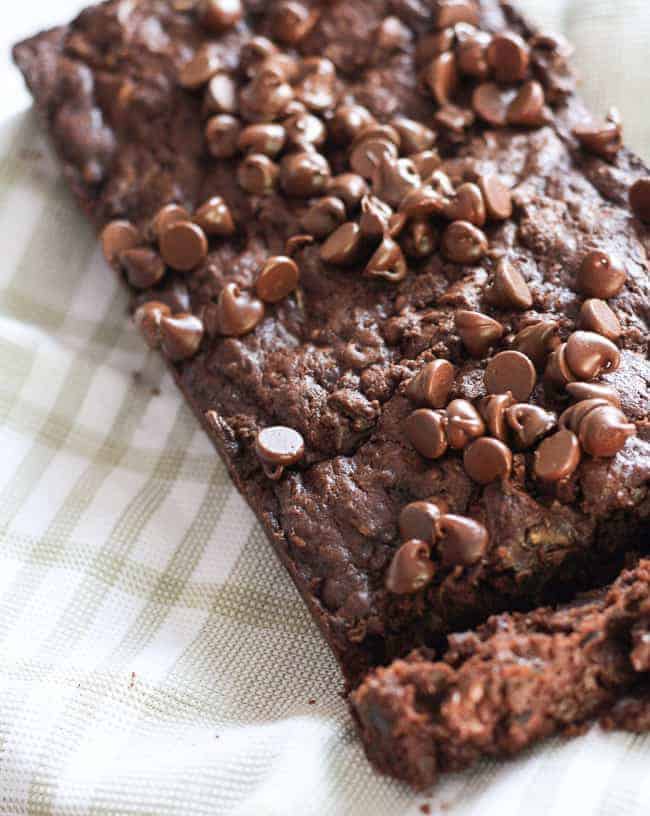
{"x": 154, "y": 657}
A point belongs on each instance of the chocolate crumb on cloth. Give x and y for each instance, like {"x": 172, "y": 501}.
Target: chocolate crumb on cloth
{"x": 392, "y": 262}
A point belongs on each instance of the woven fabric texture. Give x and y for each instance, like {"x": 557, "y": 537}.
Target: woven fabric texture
{"x": 154, "y": 657}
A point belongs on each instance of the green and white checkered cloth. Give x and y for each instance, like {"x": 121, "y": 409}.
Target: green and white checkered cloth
{"x": 154, "y": 656}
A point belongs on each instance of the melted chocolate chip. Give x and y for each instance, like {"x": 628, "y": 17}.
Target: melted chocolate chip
{"x": 143, "y": 266}
{"x": 466, "y": 205}
{"x": 588, "y": 355}
{"x": 419, "y": 520}
{"x": 147, "y": 320}
{"x": 350, "y": 188}
{"x": 387, "y": 262}
{"x": 537, "y": 341}
{"x": 237, "y": 312}
{"x": 375, "y": 217}
{"x": 493, "y": 410}
{"x": 411, "y": 568}
{"x": 118, "y": 237}
{"x": 414, "y": 136}
{"x": 432, "y": 384}
{"x": 463, "y": 541}
{"x": 324, "y": 216}
{"x": 305, "y": 131}
{"x": 278, "y": 447}
{"x": 529, "y": 423}
{"x": 464, "y": 423}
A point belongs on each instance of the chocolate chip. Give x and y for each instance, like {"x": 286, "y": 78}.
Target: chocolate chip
{"x": 278, "y": 278}
{"x": 464, "y": 243}
{"x": 463, "y": 541}
{"x": 424, "y": 201}
{"x": 387, "y": 262}
{"x": 450, "y": 12}
{"x": 604, "y": 140}
{"x": 601, "y": 275}
{"x": 392, "y": 34}
{"x": 183, "y": 245}
{"x": 220, "y": 95}
{"x": 557, "y": 457}
{"x": 255, "y": 51}
{"x": 268, "y": 93}
{"x": 432, "y": 384}
{"x": 222, "y": 136}
{"x": 426, "y": 163}
{"x": 257, "y": 174}
{"x": 466, "y": 205}
{"x": 168, "y": 215}
{"x": 497, "y": 197}
{"x": 589, "y": 390}
{"x": 529, "y": 423}
{"x": 464, "y": 423}
{"x": 304, "y": 174}
{"x": 268, "y": 139}
{"x": 219, "y": 15}
{"x": 493, "y": 410}
{"x": 454, "y": 118}
{"x": 511, "y": 371}
{"x": 297, "y": 242}
{"x": 588, "y": 355}
{"x": 490, "y": 102}
{"x": 604, "y": 431}
{"x": 596, "y": 316}
{"x": 291, "y": 22}
{"x": 279, "y": 447}
{"x": 537, "y": 341}
{"x": 324, "y": 216}
{"x": 393, "y": 179}
{"x": 509, "y": 289}
{"x": 415, "y": 137}
{"x": 411, "y": 568}
{"x": 117, "y": 237}
{"x": 425, "y": 430}
{"x": 477, "y": 331}
{"x": 304, "y": 130}
{"x": 237, "y": 312}
{"x": 527, "y": 108}
{"x": 471, "y": 52}
{"x": 573, "y": 416}
{"x": 350, "y": 188}
{"x": 487, "y": 460}
{"x": 375, "y": 216}
{"x": 420, "y": 238}
{"x": 640, "y": 199}
{"x": 143, "y": 266}
{"x": 147, "y": 320}
{"x": 197, "y": 71}
{"x": 419, "y": 520}
{"x": 442, "y": 77}
{"x": 214, "y": 218}
{"x": 434, "y": 43}
{"x": 317, "y": 89}
{"x": 180, "y": 335}
{"x": 348, "y": 122}
{"x": 557, "y": 373}
{"x": 508, "y": 56}
{"x": 367, "y": 152}
{"x": 343, "y": 245}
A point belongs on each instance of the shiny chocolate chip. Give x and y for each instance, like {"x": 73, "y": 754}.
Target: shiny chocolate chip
{"x": 464, "y": 423}
{"x": 509, "y": 289}
{"x": 490, "y": 102}
{"x": 278, "y": 447}
{"x": 463, "y": 540}
{"x": 557, "y": 457}
{"x": 511, "y": 371}
{"x": 324, "y": 216}
{"x": 572, "y": 417}
{"x": 214, "y": 218}
{"x": 278, "y": 278}
{"x": 431, "y": 385}
{"x": 557, "y": 373}
{"x": 197, "y": 71}
{"x": 222, "y": 136}
{"x": 255, "y": 51}
{"x": 219, "y": 15}
{"x": 426, "y": 163}
{"x": 497, "y": 197}
{"x": 348, "y": 122}
{"x": 375, "y": 217}
{"x": 411, "y": 568}
{"x": 180, "y": 335}
{"x": 529, "y": 423}
{"x": 596, "y": 316}
{"x": 487, "y": 460}
{"x": 434, "y": 43}
{"x": 508, "y": 56}
{"x": 415, "y": 137}
{"x": 220, "y": 95}
{"x": 464, "y": 243}
{"x": 387, "y": 262}
{"x": 442, "y": 77}
{"x": 593, "y": 390}
{"x": 183, "y": 245}
{"x": 367, "y": 151}
{"x": 602, "y": 139}
{"x": 477, "y": 331}
{"x": 537, "y": 341}
{"x": 493, "y": 410}
{"x": 601, "y": 275}
{"x": 304, "y": 130}
{"x": 604, "y": 431}
{"x": 419, "y": 520}
{"x": 471, "y": 52}
{"x": 454, "y": 118}
{"x": 147, "y": 320}
{"x": 393, "y": 179}
{"x": 424, "y": 201}
{"x": 257, "y": 174}
{"x": 143, "y": 266}
{"x": 317, "y": 89}
{"x": 117, "y": 237}
{"x": 527, "y": 108}
{"x": 343, "y": 245}
{"x": 588, "y": 355}
{"x": 451, "y": 12}
{"x": 168, "y": 215}
{"x": 268, "y": 139}
{"x": 392, "y": 34}
{"x": 467, "y": 204}
{"x": 426, "y": 431}
{"x": 237, "y": 312}
{"x": 297, "y": 242}
{"x": 267, "y": 95}
{"x": 292, "y": 22}
{"x": 350, "y": 188}
{"x": 304, "y": 174}
{"x": 419, "y": 238}
{"x": 639, "y": 197}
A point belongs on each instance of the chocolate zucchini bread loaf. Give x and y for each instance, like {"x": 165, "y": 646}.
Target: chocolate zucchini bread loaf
{"x": 399, "y": 273}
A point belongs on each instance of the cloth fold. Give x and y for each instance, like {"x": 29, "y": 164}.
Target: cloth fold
{"x": 154, "y": 656}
